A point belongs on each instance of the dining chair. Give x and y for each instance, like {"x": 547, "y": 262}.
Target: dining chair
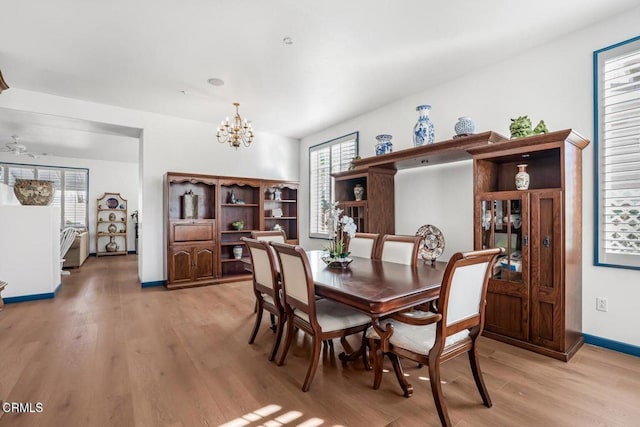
{"x": 363, "y": 245}
{"x": 400, "y": 249}
{"x": 266, "y": 289}
{"x": 270, "y": 235}
{"x": 322, "y": 319}
{"x": 452, "y": 331}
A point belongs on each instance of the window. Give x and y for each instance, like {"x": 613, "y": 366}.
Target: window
{"x": 325, "y": 159}
{"x": 617, "y": 151}
{"x": 72, "y": 188}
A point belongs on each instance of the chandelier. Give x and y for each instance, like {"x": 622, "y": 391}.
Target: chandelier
{"x": 239, "y": 131}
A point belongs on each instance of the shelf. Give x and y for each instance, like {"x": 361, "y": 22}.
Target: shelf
{"x": 280, "y": 201}
{"x": 101, "y": 234}
{"x": 452, "y": 150}
{"x": 235, "y": 231}
{"x": 240, "y": 205}
{"x": 111, "y": 210}
{"x": 111, "y": 253}
{"x": 238, "y": 243}
{"x": 280, "y": 217}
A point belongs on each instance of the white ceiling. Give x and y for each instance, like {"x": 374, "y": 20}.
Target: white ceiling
{"x": 347, "y": 57}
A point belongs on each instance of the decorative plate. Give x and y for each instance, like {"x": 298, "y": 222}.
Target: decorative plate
{"x": 432, "y": 244}
{"x": 112, "y": 203}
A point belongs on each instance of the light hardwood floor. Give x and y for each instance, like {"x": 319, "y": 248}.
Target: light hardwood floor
{"x": 105, "y": 352}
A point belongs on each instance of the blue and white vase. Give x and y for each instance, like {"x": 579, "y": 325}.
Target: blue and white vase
{"x": 424, "y": 131}
{"x": 465, "y": 126}
{"x": 384, "y": 145}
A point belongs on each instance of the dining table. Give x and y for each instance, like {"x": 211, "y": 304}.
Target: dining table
{"x": 377, "y": 288}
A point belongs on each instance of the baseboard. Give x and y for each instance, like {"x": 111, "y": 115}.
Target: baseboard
{"x": 23, "y": 298}
{"x": 622, "y": 347}
{"x": 152, "y": 284}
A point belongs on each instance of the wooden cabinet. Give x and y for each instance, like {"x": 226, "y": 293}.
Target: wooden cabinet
{"x": 534, "y": 295}
{"x": 190, "y": 216}
{"x": 375, "y": 212}
{"x": 111, "y": 225}
{"x": 203, "y": 214}
{"x": 240, "y": 203}
{"x": 280, "y": 208}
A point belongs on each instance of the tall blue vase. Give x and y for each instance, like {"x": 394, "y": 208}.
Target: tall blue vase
{"x": 423, "y": 131}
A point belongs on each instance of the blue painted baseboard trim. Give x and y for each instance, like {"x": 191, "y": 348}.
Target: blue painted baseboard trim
{"x": 631, "y": 349}
{"x": 152, "y": 284}
{"x": 23, "y": 298}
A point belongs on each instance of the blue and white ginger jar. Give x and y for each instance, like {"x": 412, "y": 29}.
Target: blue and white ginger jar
{"x": 465, "y": 126}
{"x": 424, "y": 131}
{"x": 384, "y": 144}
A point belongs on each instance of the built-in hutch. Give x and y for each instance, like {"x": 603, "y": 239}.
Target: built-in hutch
{"x": 534, "y": 297}
{"x": 207, "y": 215}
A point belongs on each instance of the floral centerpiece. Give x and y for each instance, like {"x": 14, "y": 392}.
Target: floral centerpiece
{"x": 340, "y": 226}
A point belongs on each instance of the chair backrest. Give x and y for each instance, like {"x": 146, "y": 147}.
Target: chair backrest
{"x": 464, "y": 290}
{"x": 278, "y": 236}
{"x": 363, "y": 245}
{"x": 297, "y": 280}
{"x": 400, "y": 249}
{"x": 263, "y": 268}
{"x": 270, "y": 236}
{"x": 67, "y": 236}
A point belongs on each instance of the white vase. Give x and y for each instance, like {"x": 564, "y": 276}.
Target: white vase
{"x": 384, "y": 144}
{"x": 358, "y": 191}
{"x": 423, "y": 131}
{"x": 465, "y": 126}
{"x": 522, "y": 178}
{"x": 237, "y": 252}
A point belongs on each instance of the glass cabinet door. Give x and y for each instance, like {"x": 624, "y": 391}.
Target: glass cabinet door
{"x": 504, "y": 225}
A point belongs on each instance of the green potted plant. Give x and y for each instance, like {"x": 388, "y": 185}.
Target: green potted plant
{"x": 237, "y": 225}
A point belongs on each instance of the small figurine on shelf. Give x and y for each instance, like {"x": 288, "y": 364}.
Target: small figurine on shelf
{"x": 277, "y": 194}
{"x": 232, "y": 197}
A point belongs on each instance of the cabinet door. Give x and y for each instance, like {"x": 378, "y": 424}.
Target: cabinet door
{"x": 503, "y": 218}
{"x": 180, "y": 265}
{"x": 547, "y": 324}
{"x": 204, "y": 263}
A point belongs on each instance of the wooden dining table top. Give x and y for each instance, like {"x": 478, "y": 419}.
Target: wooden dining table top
{"x": 377, "y": 287}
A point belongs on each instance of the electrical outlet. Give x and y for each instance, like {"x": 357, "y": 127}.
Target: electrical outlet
{"x": 601, "y": 304}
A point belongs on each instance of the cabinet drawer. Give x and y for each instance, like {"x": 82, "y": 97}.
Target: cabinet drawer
{"x": 192, "y": 231}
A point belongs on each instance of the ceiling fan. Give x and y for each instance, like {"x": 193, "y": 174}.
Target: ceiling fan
{"x": 19, "y": 149}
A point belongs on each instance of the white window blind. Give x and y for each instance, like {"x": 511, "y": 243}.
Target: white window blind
{"x": 617, "y": 145}
{"x": 325, "y": 159}
{"x": 71, "y": 189}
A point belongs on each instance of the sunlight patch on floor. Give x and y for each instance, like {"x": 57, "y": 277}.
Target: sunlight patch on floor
{"x": 266, "y": 417}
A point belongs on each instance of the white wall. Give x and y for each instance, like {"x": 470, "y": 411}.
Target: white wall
{"x": 104, "y": 177}
{"x": 554, "y": 83}
{"x": 168, "y": 144}
{"x": 29, "y": 250}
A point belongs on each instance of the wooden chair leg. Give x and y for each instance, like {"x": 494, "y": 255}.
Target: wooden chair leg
{"x": 436, "y": 390}
{"x": 279, "y": 331}
{"x": 287, "y": 341}
{"x": 397, "y": 368}
{"x": 274, "y": 325}
{"x": 365, "y": 353}
{"x": 256, "y": 327}
{"x": 477, "y": 376}
{"x": 313, "y": 364}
